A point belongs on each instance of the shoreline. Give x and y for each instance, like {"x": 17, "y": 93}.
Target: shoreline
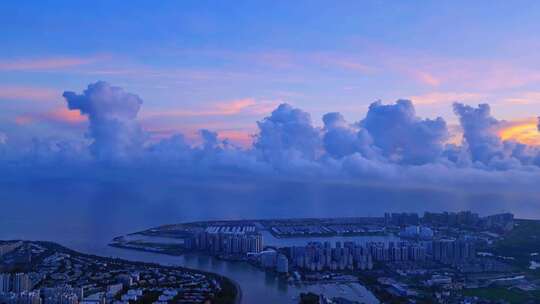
{"x": 224, "y": 279}
{"x": 238, "y": 288}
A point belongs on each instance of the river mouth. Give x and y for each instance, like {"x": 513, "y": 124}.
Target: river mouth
{"x": 252, "y": 280}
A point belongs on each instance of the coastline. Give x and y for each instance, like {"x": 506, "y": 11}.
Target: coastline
{"x": 237, "y": 288}
{"x": 238, "y": 297}
{"x": 230, "y": 287}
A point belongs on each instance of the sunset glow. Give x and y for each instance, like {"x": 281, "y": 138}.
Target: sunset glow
{"x": 525, "y": 132}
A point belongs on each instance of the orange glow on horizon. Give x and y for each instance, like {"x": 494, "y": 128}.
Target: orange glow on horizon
{"x": 525, "y": 132}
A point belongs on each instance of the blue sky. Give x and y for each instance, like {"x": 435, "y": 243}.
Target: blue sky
{"x": 224, "y": 65}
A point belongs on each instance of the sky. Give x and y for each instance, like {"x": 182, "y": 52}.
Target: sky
{"x": 210, "y": 64}
{"x": 419, "y": 93}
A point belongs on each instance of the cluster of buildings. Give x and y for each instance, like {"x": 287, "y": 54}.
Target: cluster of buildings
{"x": 452, "y": 219}
{"x": 26, "y": 297}
{"x": 398, "y": 251}
{"x": 453, "y": 250}
{"x": 324, "y": 227}
{"x": 465, "y": 219}
{"x": 63, "y": 294}
{"x": 9, "y": 247}
{"x": 271, "y": 259}
{"x": 17, "y": 288}
{"x": 498, "y": 222}
{"x": 417, "y": 232}
{"x": 17, "y": 283}
{"x": 319, "y": 256}
{"x": 58, "y": 276}
{"x": 226, "y": 240}
{"x": 401, "y": 219}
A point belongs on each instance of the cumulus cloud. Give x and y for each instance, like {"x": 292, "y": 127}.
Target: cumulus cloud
{"x": 389, "y": 135}
{"x": 485, "y": 147}
{"x": 341, "y": 139}
{"x": 173, "y": 149}
{"x": 479, "y": 132}
{"x": 402, "y": 136}
{"x": 210, "y": 139}
{"x": 287, "y": 134}
{"x": 112, "y": 114}
{"x": 391, "y": 145}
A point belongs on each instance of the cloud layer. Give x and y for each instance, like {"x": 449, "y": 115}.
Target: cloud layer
{"x": 391, "y": 145}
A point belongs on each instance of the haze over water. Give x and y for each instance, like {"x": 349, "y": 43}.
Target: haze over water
{"x": 79, "y": 210}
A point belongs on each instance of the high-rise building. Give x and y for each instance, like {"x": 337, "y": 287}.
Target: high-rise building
{"x": 451, "y": 250}
{"x": 21, "y": 283}
{"x": 5, "y": 282}
{"x": 282, "y": 264}
{"x": 29, "y": 297}
{"x": 233, "y": 241}
{"x": 268, "y": 258}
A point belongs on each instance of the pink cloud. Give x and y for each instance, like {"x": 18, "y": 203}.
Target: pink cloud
{"x": 66, "y": 116}
{"x": 426, "y": 78}
{"x": 461, "y": 73}
{"x": 44, "y": 64}
{"x": 432, "y": 98}
{"x": 229, "y": 108}
{"x": 525, "y": 98}
{"x": 57, "y": 116}
{"x": 242, "y": 137}
{"x": 355, "y": 66}
{"x": 22, "y": 120}
{"x": 478, "y": 74}
{"x": 340, "y": 61}
{"x": 235, "y": 106}
{"x": 485, "y": 75}
{"x": 28, "y": 93}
